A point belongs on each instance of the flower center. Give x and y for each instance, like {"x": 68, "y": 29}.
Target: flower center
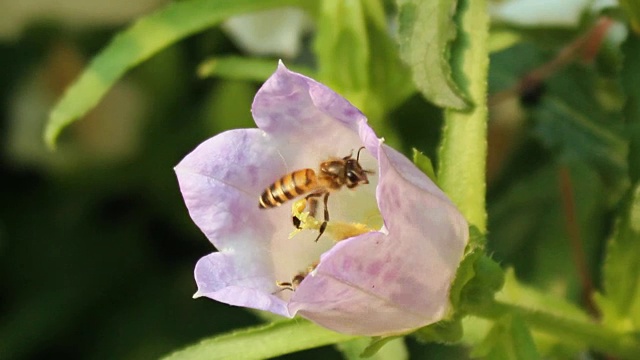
{"x": 336, "y": 229}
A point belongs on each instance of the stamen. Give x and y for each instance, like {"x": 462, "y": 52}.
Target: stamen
{"x": 336, "y": 229}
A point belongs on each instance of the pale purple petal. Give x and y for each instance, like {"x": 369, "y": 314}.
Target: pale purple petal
{"x": 387, "y": 281}
{"x": 380, "y": 284}
{"x": 313, "y": 118}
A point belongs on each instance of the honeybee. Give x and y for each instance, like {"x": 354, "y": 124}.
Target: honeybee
{"x": 332, "y": 175}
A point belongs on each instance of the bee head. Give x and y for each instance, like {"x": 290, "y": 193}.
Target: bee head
{"x": 354, "y": 173}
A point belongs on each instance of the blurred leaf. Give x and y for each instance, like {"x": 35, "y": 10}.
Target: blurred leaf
{"x": 227, "y": 106}
{"x": 388, "y": 348}
{"x": 243, "y": 68}
{"x": 575, "y": 120}
{"x": 508, "y": 65}
{"x": 342, "y": 47}
{"x": 390, "y": 78}
{"x": 514, "y": 292}
{"x": 620, "y": 303}
{"x": 142, "y": 40}
{"x": 424, "y": 164}
{"x": 355, "y": 51}
{"x": 632, "y": 9}
{"x": 502, "y": 39}
{"x": 630, "y": 76}
{"x": 426, "y": 29}
{"x": 508, "y": 339}
{"x": 528, "y": 228}
{"x": 262, "y": 342}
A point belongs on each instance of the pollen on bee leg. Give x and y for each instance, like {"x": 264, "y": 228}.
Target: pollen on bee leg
{"x": 302, "y": 219}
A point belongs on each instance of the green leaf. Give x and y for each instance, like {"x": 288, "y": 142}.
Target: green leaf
{"x": 426, "y": 29}
{"x": 621, "y": 300}
{"x": 632, "y": 9}
{"x": 376, "y": 348}
{"x": 262, "y": 342}
{"x": 508, "y": 339}
{"x": 424, "y": 164}
{"x": 462, "y": 155}
{"x": 477, "y": 278}
{"x": 630, "y": 75}
{"x": 443, "y": 332}
{"x": 242, "y": 68}
{"x": 142, "y": 40}
{"x": 466, "y": 271}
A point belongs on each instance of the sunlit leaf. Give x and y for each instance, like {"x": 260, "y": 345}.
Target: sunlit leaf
{"x": 142, "y": 40}
{"x": 262, "y": 342}
{"x": 620, "y": 303}
{"x": 243, "y": 68}
{"x": 424, "y": 163}
{"x": 426, "y": 30}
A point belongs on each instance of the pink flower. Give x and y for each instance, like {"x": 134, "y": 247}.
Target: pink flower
{"x": 393, "y": 277}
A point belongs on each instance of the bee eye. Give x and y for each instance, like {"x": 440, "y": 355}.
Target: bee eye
{"x": 352, "y": 176}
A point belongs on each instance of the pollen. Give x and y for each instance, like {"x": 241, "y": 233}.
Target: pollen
{"x": 337, "y": 230}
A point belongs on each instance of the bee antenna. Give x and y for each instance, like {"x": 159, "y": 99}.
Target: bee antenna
{"x": 358, "y": 156}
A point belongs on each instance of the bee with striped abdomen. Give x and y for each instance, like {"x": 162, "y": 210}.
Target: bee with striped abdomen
{"x": 332, "y": 175}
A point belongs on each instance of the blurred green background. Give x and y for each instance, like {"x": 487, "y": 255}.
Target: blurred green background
{"x": 97, "y": 249}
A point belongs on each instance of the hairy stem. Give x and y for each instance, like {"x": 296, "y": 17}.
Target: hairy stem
{"x": 463, "y": 151}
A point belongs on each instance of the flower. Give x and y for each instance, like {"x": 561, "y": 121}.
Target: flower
{"x": 393, "y": 277}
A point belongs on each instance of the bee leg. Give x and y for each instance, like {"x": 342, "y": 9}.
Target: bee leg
{"x": 313, "y": 205}
{"x": 323, "y": 227}
{"x": 283, "y": 286}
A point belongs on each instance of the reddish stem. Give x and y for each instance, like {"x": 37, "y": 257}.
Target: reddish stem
{"x": 575, "y": 238}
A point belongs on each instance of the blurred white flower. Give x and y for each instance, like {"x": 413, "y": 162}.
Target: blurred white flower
{"x": 564, "y": 13}
{"x": 272, "y": 32}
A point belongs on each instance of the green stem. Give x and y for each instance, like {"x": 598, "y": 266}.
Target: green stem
{"x": 463, "y": 151}
{"x": 584, "y": 333}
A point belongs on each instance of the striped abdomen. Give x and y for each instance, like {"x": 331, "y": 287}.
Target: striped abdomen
{"x": 288, "y": 187}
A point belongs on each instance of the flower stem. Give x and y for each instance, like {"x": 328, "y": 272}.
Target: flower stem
{"x": 463, "y": 152}
{"x": 584, "y": 333}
